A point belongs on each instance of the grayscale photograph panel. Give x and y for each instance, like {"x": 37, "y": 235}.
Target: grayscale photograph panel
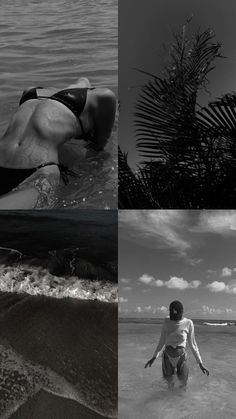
{"x": 177, "y": 120}
{"x": 177, "y": 314}
{"x": 59, "y": 84}
{"x": 58, "y": 323}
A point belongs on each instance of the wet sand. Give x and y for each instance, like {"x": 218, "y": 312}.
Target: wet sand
{"x": 76, "y": 339}
{"x": 48, "y": 406}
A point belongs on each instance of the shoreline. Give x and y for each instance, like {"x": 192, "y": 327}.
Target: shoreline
{"x": 48, "y": 406}
{"x": 77, "y": 339}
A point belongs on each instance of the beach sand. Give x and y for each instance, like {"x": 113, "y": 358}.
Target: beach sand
{"x": 48, "y": 406}
{"x": 76, "y": 339}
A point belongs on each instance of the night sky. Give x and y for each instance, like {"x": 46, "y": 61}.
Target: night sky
{"x": 146, "y": 26}
{"x": 184, "y": 255}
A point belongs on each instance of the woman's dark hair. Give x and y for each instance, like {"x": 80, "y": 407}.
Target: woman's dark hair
{"x": 176, "y": 310}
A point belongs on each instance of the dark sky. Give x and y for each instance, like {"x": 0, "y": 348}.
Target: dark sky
{"x": 145, "y": 26}
{"x": 183, "y": 255}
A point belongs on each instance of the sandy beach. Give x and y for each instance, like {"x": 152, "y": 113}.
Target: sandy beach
{"x": 48, "y": 406}
{"x": 73, "y": 340}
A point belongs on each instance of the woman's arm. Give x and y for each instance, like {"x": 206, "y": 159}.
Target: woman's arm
{"x": 159, "y": 347}
{"x": 193, "y": 344}
{"x": 194, "y": 348}
{"x": 104, "y": 110}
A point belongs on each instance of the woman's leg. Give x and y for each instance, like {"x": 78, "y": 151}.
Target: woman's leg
{"x": 167, "y": 370}
{"x": 183, "y": 371}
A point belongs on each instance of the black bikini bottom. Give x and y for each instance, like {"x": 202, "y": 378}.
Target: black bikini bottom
{"x": 170, "y": 363}
{"x": 11, "y": 178}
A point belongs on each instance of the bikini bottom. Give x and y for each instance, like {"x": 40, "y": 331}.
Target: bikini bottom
{"x": 175, "y": 362}
{"x": 11, "y": 178}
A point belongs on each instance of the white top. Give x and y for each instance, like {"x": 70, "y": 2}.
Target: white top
{"x": 177, "y": 333}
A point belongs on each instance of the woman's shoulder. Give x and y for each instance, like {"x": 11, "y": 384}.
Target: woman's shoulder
{"x": 188, "y": 321}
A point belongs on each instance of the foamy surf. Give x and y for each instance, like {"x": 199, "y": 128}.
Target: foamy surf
{"x": 219, "y": 324}
{"x": 21, "y": 379}
{"x": 39, "y": 281}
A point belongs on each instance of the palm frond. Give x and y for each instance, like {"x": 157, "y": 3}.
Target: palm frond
{"x": 192, "y": 148}
{"x": 165, "y": 111}
{"x": 132, "y": 191}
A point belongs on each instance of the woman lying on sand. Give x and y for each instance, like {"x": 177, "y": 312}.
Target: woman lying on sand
{"x": 45, "y": 120}
{"x": 175, "y": 332}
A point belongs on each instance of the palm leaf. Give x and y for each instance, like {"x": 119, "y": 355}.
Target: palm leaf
{"x": 165, "y": 112}
{"x": 132, "y": 192}
{"x": 192, "y": 148}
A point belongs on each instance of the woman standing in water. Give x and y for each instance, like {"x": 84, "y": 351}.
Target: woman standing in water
{"x": 45, "y": 120}
{"x": 175, "y": 332}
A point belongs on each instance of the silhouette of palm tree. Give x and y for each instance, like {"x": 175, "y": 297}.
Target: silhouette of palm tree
{"x": 189, "y": 151}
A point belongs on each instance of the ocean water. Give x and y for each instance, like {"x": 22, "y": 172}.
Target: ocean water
{"x": 51, "y": 44}
{"x": 59, "y": 253}
{"x": 143, "y": 392}
{"x": 35, "y": 233}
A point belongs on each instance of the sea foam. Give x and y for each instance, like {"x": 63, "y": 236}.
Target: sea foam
{"x": 39, "y": 281}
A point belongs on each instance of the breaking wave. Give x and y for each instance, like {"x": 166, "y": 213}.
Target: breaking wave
{"x": 219, "y": 324}
{"x": 61, "y": 274}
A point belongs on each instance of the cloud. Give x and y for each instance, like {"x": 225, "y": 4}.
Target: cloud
{"x": 160, "y": 229}
{"x": 162, "y": 309}
{"x": 212, "y": 310}
{"x": 138, "y": 309}
{"x": 228, "y": 310}
{"x": 219, "y": 222}
{"x": 151, "y": 310}
{"x": 226, "y": 272}
{"x": 216, "y": 286}
{"x": 173, "y": 283}
{"x": 195, "y": 262}
{"x": 158, "y": 283}
{"x": 127, "y": 289}
{"x": 220, "y": 286}
{"x": 146, "y": 279}
{"x": 181, "y": 284}
{"x": 123, "y": 300}
{"x": 124, "y": 280}
{"x": 211, "y": 272}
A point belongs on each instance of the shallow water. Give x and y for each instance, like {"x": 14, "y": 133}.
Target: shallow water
{"x": 144, "y": 394}
{"x": 52, "y": 44}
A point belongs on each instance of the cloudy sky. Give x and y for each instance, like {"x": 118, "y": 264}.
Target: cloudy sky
{"x": 176, "y": 254}
{"x": 146, "y": 26}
